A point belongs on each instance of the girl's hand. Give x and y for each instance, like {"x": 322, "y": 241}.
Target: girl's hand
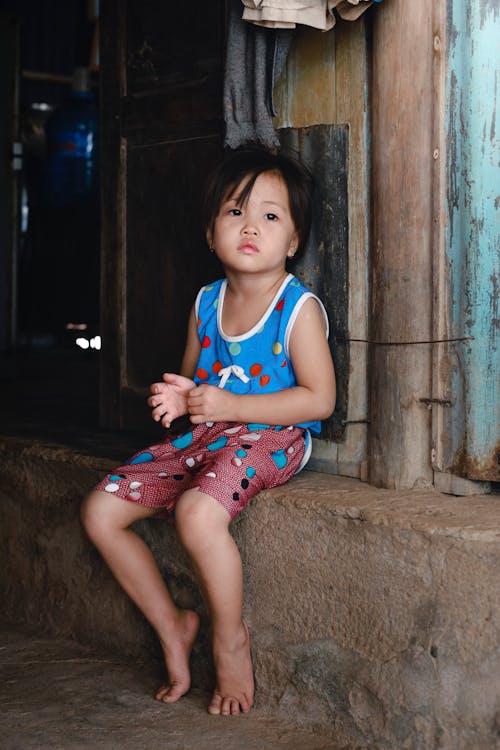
{"x": 169, "y": 399}
{"x": 208, "y": 403}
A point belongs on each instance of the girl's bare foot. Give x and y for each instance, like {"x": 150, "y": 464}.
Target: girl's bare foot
{"x": 177, "y": 650}
{"x": 233, "y": 667}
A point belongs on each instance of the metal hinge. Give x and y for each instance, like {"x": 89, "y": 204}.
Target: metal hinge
{"x": 17, "y": 156}
{"x": 439, "y": 401}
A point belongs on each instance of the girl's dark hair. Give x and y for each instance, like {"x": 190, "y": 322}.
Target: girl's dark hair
{"x": 249, "y": 162}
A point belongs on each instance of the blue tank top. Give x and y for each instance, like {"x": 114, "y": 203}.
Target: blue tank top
{"x": 257, "y": 361}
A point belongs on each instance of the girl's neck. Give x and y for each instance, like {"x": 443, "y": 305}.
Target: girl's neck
{"x": 251, "y": 285}
{"x": 246, "y": 300}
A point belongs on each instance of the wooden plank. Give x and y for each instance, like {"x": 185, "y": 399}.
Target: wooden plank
{"x": 171, "y": 45}
{"x": 402, "y": 138}
{"x": 305, "y": 93}
{"x": 442, "y": 354}
{"x": 9, "y": 180}
{"x": 471, "y": 438}
{"x": 352, "y": 104}
{"x": 113, "y": 169}
{"x": 168, "y": 258}
{"x": 324, "y": 264}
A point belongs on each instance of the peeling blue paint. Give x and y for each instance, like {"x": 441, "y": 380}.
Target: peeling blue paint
{"x": 472, "y": 241}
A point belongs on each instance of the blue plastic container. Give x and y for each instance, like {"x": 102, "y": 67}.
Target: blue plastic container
{"x": 71, "y": 166}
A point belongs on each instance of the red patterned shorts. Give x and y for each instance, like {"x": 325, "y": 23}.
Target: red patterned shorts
{"x": 229, "y": 461}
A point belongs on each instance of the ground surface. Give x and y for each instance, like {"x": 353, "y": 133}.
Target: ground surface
{"x": 56, "y": 694}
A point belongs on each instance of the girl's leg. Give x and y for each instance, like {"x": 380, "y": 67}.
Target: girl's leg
{"x": 106, "y": 519}
{"x": 203, "y": 527}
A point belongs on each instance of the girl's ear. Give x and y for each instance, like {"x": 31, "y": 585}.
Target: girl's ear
{"x": 209, "y": 236}
{"x": 294, "y": 244}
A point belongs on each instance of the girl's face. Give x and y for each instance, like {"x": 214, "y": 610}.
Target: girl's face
{"x": 260, "y": 235}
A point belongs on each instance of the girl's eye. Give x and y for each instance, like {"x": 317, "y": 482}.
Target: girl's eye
{"x": 271, "y": 217}
{"x": 235, "y": 212}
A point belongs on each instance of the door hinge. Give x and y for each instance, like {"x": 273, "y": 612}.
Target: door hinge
{"x": 16, "y": 156}
{"x": 439, "y": 401}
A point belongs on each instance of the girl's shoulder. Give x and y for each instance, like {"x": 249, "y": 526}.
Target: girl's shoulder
{"x": 297, "y": 292}
{"x": 295, "y": 287}
{"x": 208, "y": 295}
{"x": 295, "y": 295}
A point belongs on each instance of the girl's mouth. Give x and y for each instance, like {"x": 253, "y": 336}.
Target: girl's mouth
{"x": 248, "y": 248}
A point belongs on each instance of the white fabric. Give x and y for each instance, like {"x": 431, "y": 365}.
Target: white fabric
{"x": 226, "y": 372}
{"x": 287, "y": 14}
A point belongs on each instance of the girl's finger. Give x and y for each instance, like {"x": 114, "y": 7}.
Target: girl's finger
{"x": 158, "y": 413}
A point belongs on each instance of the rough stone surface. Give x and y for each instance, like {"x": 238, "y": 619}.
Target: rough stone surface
{"x": 56, "y": 694}
{"x": 374, "y": 614}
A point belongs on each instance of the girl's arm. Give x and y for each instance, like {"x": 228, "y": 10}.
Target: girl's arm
{"x": 312, "y": 398}
{"x": 169, "y": 398}
{"x": 193, "y": 347}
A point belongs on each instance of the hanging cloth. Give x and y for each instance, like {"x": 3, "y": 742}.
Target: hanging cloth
{"x": 255, "y": 58}
{"x": 287, "y": 14}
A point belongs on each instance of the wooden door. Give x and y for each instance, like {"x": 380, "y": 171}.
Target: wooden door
{"x": 161, "y": 105}
{"x": 9, "y": 74}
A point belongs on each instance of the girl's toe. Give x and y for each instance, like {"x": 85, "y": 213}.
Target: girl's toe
{"x": 215, "y": 706}
{"x": 161, "y": 692}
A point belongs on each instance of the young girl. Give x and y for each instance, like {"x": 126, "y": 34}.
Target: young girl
{"x": 255, "y": 380}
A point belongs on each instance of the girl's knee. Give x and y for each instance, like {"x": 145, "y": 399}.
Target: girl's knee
{"x": 198, "y": 518}
{"x": 91, "y": 514}
{"x": 102, "y": 513}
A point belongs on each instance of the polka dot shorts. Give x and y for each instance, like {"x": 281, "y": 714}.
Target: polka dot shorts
{"x": 229, "y": 461}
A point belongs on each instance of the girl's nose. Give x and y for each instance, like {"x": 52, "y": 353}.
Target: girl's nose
{"x": 249, "y": 229}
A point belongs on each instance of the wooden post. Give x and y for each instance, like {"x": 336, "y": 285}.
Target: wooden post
{"x": 403, "y": 102}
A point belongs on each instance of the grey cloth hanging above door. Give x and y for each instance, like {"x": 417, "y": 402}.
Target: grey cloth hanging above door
{"x": 255, "y": 58}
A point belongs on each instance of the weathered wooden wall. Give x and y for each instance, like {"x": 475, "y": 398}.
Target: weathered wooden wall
{"x": 467, "y": 432}
{"x": 421, "y": 238}
{"x": 435, "y": 409}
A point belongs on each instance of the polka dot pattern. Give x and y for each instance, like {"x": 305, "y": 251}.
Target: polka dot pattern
{"x": 260, "y": 351}
{"x": 142, "y": 458}
{"x": 227, "y": 461}
{"x": 136, "y": 496}
{"x": 183, "y": 441}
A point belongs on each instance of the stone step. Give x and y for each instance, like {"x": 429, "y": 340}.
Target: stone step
{"x": 374, "y": 614}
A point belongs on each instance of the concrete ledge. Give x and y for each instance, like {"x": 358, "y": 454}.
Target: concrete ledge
{"x": 374, "y": 614}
